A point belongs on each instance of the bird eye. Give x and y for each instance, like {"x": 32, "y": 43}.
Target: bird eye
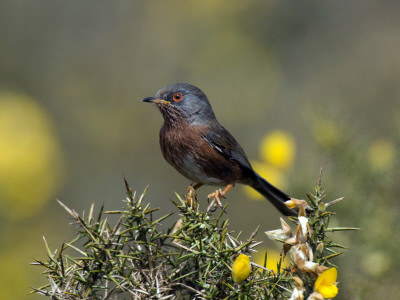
{"x": 177, "y": 97}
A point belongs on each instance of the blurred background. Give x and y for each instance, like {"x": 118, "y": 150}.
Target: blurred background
{"x": 300, "y": 84}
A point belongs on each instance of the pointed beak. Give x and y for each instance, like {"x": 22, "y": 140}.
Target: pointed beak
{"x": 148, "y": 99}
{"x": 155, "y": 100}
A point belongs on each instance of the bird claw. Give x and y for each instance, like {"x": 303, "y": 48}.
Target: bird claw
{"x": 217, "y": 195}
{"x": 210, "y": 209}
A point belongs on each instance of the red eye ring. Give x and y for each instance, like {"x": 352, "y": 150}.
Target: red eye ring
{"x": 177, "y": 97}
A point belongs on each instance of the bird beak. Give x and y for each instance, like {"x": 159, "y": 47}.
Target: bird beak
{"x": 155, "y": 100}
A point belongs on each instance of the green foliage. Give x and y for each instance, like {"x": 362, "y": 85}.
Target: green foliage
{"x": 135, "y": 259}
{"x": 365, "y": 165}
{"x": 313, "y": 244}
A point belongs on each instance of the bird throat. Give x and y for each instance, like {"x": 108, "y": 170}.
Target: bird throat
{"x": 172, "y": 116}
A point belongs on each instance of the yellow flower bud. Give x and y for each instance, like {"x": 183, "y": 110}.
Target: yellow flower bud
{"x": 241, "y": 268}
{"x": 290, "y": 204}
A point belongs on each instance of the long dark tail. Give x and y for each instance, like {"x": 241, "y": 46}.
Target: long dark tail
{"x": 273, "y": 194}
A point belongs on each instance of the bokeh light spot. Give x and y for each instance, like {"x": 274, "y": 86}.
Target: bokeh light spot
{"x": 30, "y": 156}
{"x": 326, "y": 133}
{"x": 381, "y": 154}
{"x": 278, "y": 149}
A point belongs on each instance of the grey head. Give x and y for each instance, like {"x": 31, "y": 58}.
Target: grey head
{"x": 183, "y": 100}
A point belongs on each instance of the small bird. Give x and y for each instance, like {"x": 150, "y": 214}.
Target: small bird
{"x": 193, "y": 141}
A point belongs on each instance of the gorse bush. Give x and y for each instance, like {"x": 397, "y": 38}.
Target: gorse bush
{"x": 198, "y": 258}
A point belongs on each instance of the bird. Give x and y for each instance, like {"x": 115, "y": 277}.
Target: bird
{"x": 201, "y": 149}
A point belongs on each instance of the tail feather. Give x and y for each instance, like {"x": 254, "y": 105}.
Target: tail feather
{"x": 274, "y": 195}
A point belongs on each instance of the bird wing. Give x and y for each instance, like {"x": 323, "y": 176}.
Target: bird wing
{"x": 222, "y": 141}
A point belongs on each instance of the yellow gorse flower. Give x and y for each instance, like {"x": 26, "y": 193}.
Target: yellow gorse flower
{"x": 241, "y": 268}
{"x": 325, "y": 283}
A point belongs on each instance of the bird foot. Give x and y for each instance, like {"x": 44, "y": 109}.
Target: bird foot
{"x": 217, "y": 195}
{"x": 191, "y": 197}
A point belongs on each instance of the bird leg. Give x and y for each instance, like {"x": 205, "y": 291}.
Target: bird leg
{"x": 191, "y": 196}
{"x": 197, "y": 185}
{"x": 218, "y": 194}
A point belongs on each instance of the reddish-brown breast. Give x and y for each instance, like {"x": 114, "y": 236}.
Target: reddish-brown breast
{"x": 184, "y": 147}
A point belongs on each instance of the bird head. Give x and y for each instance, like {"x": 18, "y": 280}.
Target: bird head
{"x": 182, "y": 101}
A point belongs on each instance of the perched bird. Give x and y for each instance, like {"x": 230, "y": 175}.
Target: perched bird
{"x": 193, "y": 141}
